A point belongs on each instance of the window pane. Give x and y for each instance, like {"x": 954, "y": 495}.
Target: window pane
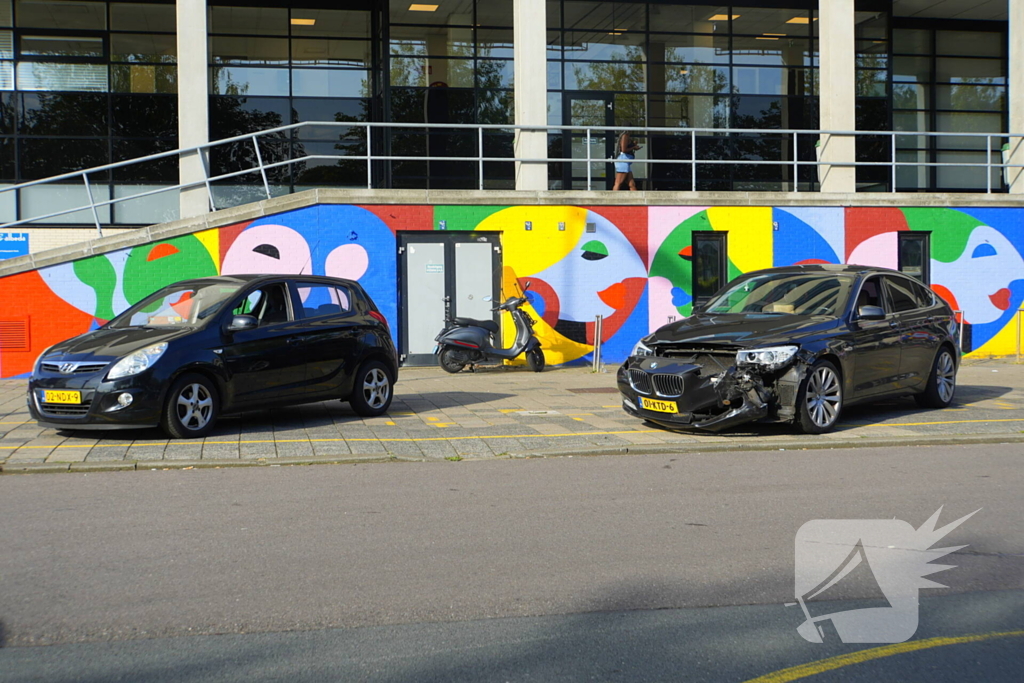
{"x": 695, "y": 19}
{"x": 871, "y": 25}
{"x": 46, "y": 157}
{"x": 452, "y": 12}
{"x": 6, "y": 18}
{"x": 627, "y": 47}
{"x": 231, "y": 116}
{"x": 330, "y": 83}
{"x": 245, "y": 81}
{"x": 140, "y": 17}
{"x": 968, "y": 122}
{"x": 136, "y": 47}
{"x": 771, "y": 51}
{"x": 697, "y": 78}
{"x": 6, "y": 45}
{"x": 605, "y": 16}
{"x": 871, "y": 83}
{"x": 308, "y": 52}
{"x": 143, "y": 78}
{"x": 702, "y": 49}
{"x": 953, "y": 69}
{"x": 437, "y": 42}
{"x": 330, "y": 23}
{"x": 6, "y": 75}
{"x": 54, "y": 76}
{"x": 911, "y": 41}
{"x": 494, "y": 43}
{"x": 249, "y": 50}
{"x": 911, "y": 70}
{"x": 267, "y": 21}
{"x": 62, "y": 15}
{"x": 62, "y": 46}
{"x": 762, "y": 20}
{"x": 144, "y": 116}
{"x": 909, "y": 96}
{"x": 63, "y": 114}
{"x": 330, "y": 110}
{"x": 911, "y": 257}
{"x": 969, "y": 43}
{"x": 604, "y": 76}
{"x": 971, "y": 97}
{"x": 493, "y": 73}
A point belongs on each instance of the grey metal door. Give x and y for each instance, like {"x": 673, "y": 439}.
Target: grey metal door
{"x": 457, "y": 268}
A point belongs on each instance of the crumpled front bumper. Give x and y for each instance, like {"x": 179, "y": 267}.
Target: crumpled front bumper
{"x": 701, "y": 399}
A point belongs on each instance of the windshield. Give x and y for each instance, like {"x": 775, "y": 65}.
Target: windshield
{"x": 177, "y": 306}
{"x": 785, "y": 294}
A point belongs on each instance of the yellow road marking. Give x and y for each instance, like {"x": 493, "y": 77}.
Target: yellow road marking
{"x": 813, "y": 668}
{"x": 390, "y": 424}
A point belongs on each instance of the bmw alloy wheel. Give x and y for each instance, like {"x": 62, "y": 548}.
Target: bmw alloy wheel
{"x": 823, "y": 396}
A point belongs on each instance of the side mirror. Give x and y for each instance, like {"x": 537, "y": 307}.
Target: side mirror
{"x": 240, "y": 323}
{"x": 871, "y": 313}
{"x": 527, "y": 285}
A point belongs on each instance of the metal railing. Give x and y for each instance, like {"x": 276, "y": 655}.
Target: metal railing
{"x": 793, "y": 143}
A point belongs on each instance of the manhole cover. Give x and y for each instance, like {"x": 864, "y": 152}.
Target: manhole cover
{"x": 595, "y": 390}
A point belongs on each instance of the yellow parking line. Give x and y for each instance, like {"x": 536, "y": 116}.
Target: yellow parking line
{"x": 813, "y": 668}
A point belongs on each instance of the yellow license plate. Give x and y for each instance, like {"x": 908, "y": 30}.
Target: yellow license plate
{"x": 659, "y": 406}
{"x": 57, "y": 396}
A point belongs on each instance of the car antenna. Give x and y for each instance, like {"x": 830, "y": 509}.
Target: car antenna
{"x": 309, "y": 261}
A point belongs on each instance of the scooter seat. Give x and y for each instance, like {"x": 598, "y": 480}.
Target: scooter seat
{"x": 488, "y": 325}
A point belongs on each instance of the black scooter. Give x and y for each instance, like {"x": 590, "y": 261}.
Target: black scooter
{"x": 465, "y": 341}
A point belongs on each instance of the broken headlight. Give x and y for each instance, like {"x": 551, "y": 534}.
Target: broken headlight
{"x": 641, "y": 349}
{"x": 770, "y": 358}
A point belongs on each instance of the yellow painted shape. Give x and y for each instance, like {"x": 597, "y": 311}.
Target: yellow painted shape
{"x": 531, "y": 251}
{"x": 557, "y": 347}
{"x": 433, "y": 419}
{"x": 795, "y": 673}
{"x": 390, "y": 424}
{"x": 211, "y": 240}
{"x": 1004, "y": 343}
{"x": 751, "y": 237}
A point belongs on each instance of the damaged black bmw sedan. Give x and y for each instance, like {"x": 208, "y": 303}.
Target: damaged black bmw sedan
{"x": 795, "y": 344}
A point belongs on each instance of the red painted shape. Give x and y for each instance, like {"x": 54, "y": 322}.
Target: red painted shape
{"x": 630, "y": 290}
{"x": 161, "y": 250}
{"x": 811, "y": 261}
{"x": 614, "y": 296}
{"x": 1001, "y": 299}
{"x": 865, "y": 223}
{"x": 552, "y": 306}
{"x": 404, "y": 217}
{"x": 687, "y": 253}
{"x": 50, "y": 318}
{"x": 226, "y": 236}
{"x": 631, "y": 220}
{"x": 948, "y": 297}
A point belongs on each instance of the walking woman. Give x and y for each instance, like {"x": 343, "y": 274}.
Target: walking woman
{"x": 626, "y": 147}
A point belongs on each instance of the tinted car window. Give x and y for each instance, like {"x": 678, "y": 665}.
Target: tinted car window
{"x": 902, "y": 295}
{"x": 870, "y": 294}
{"x": 925, "y": 297}
{"x": 176, "y": 305}
{"x": 268, "y": 304}
{"x": 784, "y": 294}
{"x": 319, "y": 299}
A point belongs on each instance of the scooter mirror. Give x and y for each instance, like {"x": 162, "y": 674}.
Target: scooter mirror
{"x": 527, "y": 284}
{"x": 488, "y": 298}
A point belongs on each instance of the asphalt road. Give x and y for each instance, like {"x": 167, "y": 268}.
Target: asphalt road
{"x": 659, "y": 567}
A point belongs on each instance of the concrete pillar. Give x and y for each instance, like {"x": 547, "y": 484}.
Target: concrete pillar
{"x": 531, "y": 91}
{"x": 1016, "y": 94}
{"x": 837, "y": 96}
{"x": 193, "y": 102}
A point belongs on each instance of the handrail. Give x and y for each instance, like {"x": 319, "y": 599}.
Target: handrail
{"x": 292, "y": 133}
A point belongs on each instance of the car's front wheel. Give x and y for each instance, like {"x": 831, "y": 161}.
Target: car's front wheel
{"x": 820, "y": 399}
{"x": 941, "y": 385}
{"x": 191, "y": 409}
{"x": 372, "y": 393}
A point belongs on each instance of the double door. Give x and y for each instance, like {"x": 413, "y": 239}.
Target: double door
{"x": 444, "y": 269}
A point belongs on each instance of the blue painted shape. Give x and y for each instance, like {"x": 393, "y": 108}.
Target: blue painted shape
{"x": 795, "y": 241}
{"x": 617, "y": 349}
{"x": 680, "y": 297}
{"x": 537, "y": 301}
{"x": 984, "y": 250}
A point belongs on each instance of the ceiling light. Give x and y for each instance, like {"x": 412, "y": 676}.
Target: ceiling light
{"x": 303, "y": 22}
{"x": 422, "y": 8}
{"x": 801, "y": 20}
{"x": 775, "y": 34}
{"x": 613, "y": 33}
{"x": 722, "y": 17}
{"x": 764, "y": 38}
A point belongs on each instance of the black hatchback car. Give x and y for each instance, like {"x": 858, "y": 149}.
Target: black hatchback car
{"x": 795, "y": 344}
{"x": 200, "y": 348}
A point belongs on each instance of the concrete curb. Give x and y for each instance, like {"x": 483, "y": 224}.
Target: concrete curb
{"x": 355, "y": 458}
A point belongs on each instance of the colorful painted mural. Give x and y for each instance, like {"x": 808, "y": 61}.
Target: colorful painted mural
{"x": 631, "y": 265}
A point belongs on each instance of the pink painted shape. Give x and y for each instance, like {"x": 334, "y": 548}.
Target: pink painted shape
{"x": 348, "y": 261}
{"x": 292, "y": 251}
{"x": 659, "y": 302}
{"x": 661, "y": 221}
{"x": 880, "y": 250}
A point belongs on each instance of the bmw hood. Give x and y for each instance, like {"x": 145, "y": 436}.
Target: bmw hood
{"x": 739, "y": 331}
{"x": 112, "y": 343}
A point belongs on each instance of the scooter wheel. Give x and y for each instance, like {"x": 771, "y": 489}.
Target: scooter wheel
{"x": 535, "y": 359}
{"x": 450, "y": 360}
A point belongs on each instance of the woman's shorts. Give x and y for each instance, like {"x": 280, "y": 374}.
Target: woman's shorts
{"x": 623, "y": 166}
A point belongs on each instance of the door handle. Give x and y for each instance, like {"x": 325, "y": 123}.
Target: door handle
{"x": 894, "y": 324}
{"x": 292, "y": 341}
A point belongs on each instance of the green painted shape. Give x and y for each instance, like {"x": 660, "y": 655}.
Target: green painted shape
{"x": 670, "y": 265}
{"x": 463, "y": 217}
{"x": 98, "y": 273}
{"x": 595, "y": 247}
{"x": 951, "y": 228}
{"x": 142, "y": 277}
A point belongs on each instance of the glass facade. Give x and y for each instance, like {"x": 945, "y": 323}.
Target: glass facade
{"x": 85, "y": 83}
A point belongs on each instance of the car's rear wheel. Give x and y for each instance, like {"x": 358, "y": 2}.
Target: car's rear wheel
{"x": 535, "y": 359}
{"x": 451, "y": 360}
{"x": 941, "y": 385}
{"x": 192, "y": 407}
{"x": 820, "y": 399}
{"x": 372, "y": 393}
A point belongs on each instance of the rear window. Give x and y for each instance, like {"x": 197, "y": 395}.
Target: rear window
{"x": 321, "y": 299}
{"x": 902, "y": 294}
